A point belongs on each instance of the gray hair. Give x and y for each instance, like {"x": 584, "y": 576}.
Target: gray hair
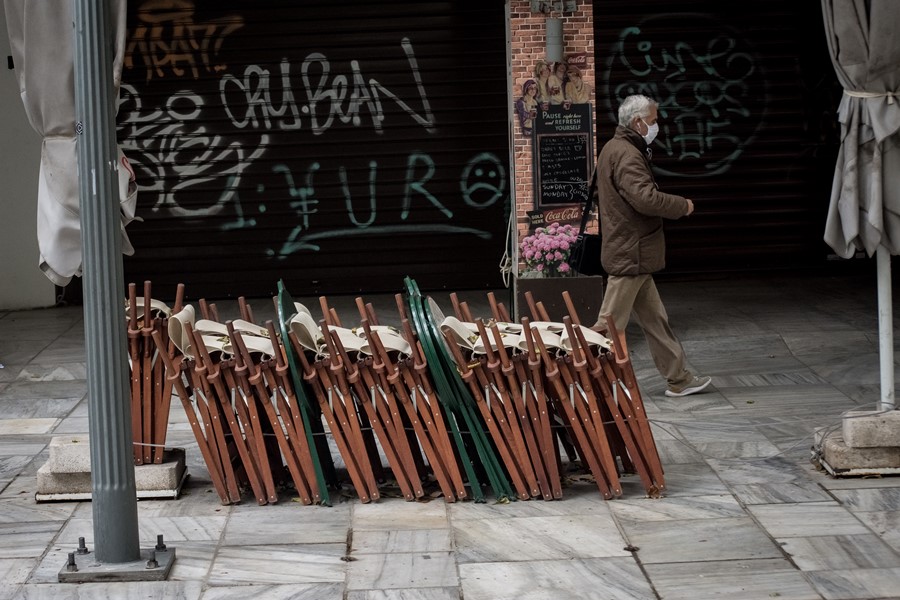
{"x": 635, "y": 106}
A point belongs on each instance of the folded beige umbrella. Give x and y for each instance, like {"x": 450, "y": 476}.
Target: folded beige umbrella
{"x": 41, "y": 36}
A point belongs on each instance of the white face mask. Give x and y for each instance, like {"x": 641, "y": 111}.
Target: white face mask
{"x": 652, "y": 130}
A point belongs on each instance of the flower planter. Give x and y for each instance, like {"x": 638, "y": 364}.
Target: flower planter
{"x": 586, "y": 293}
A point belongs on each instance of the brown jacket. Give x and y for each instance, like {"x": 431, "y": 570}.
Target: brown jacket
{"x": 631, "y": 207}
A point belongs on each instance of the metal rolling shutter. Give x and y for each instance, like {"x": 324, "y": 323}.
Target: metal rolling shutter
{"x": 748, "y": 102}
{"x": 339, "y": 145}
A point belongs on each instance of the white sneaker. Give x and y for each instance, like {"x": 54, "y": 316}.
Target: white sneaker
{"x": 697, "y": 384}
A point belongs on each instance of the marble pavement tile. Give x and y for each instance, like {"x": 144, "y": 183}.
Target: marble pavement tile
{"x": 387, "y": 515}
{"x": 17, "y": 352}
{"x": 885, "y": 524}
{"x": 8, "y": 372}
{"x": 663, "y": 431}
{"x": 16, "y": 394}
{"x": 402, "y": 570}
{"x": 307, "y": 591}
{"x": 173, "y": 530}
{"x": 868, "y": 395}
{"x": 710, "y": 402}
{"x": 787, "y": 400}
{"x": 401, "y": 540}
{"x": 577, "y": 500}
{"x": 760, "y": 448}
{"x": 718, "y": 428}
{"x": 287, "y": 524}
{"x": 193, "y": 501}
{"x": 770, "y": 470}
{"x": 26, "y": 426}
{"x": 448, "y": 593}
{"x": 700, "y": 540}
{"x": 179, "y": 529}
{"x": 765, "y": 344}
{"x": 851, "y": 368}
{"x": 856, "y": 584}
{"x": 26, "y": 510}
{"x": 72, "y": 426}
{"x": 69, "y": 349}
{"x": 821, "y": 553}
{"x": 10, "y": 466}
{"x": 34, "y": 403}
{"x": 75, "y": 372}
{"x": 672, "y": 452}
{"x": 24, "y": 484}
{"x": 27, "y": 445}
{"x": 702, "y": 330}
{"x": 869, "y": 499}
{"x": 617, "y": 578}
{"x": 16, "y": 570}
{"x": 737, "y": 580}
{"x": 807, "y": 519}
{"x": 859, "y": 483}
{"x": 676, "y": 508}
{"x": 25, "y": 540}
{"x": 193, "y": 560}
{"x": 55, "y": 559}
{"x": 799, "y": 431}
{"x": 288, "y": 564}
{"x": 799, "y": 376}
{"x": 536, "y": 538}
{"x": 755, "y": 356}
{"x": 816, "y": 343}
{"x": 82, "y": 409}
{"x": 783, "y": 492}
{"x": 148, "y": 590}
{"x": 692, "y": 479}
{"x": 37, "y": 325}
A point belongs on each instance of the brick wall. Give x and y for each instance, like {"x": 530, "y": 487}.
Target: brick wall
{"x": 528, "y": 46}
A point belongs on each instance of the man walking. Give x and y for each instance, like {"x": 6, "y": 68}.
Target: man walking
{"x": 631, "y": 212}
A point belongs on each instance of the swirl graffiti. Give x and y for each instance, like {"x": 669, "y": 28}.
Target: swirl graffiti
{"x": 711, "y": 96}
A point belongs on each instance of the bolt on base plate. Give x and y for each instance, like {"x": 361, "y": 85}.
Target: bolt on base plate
{"x": 154, "y": 565}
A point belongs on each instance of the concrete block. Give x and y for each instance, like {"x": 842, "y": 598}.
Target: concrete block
{"x": 162, "y": 480}
{"x": 871, "y": 429}
{"x": 861, "y": 461}
{"x": 70, "y": 454}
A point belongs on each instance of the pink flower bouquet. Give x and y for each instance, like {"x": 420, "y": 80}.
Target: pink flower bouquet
{"x": 546, "y": 251}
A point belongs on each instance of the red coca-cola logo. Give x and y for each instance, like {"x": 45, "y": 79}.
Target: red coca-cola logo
{"x": 565, "y": 214}
{"x": 577, "y": 60}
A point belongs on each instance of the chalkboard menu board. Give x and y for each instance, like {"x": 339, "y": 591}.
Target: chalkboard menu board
{"x": 563, "y": 154}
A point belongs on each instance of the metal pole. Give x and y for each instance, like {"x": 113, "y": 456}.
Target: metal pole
{"x": 114, "y": 500}
{"x": 885, "y": 327}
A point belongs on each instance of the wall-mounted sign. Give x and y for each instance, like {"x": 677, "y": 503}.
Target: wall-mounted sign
{"x": 563, "y": 154}
{"x": 564, "y": 214}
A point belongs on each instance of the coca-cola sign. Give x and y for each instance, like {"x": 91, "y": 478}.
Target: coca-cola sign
{"x": 558, "y": 214}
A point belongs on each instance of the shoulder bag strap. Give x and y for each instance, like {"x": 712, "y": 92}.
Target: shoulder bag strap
{"x": 586, "y": 213}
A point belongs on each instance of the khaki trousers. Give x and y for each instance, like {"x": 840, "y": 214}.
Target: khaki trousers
{"x": 638, "y": 293}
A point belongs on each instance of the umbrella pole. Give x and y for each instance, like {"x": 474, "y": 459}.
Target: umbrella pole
{"x": 885, "y": 327}
{"x": 114, "y": 500}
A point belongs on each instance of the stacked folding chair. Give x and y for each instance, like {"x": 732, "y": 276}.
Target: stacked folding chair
{"x": 541, "y": 385}
{"x": 236, "y": 389}
{"x": 151, "y": 393}
{"x": 595, "y": 392}
{"x": 370, "y": 384}
{"x": 443, "y": 405}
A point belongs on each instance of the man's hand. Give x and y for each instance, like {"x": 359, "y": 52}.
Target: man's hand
{"x": 690, "y": 207}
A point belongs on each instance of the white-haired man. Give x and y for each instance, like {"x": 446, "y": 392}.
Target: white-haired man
{"x": 631, "y": 213}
